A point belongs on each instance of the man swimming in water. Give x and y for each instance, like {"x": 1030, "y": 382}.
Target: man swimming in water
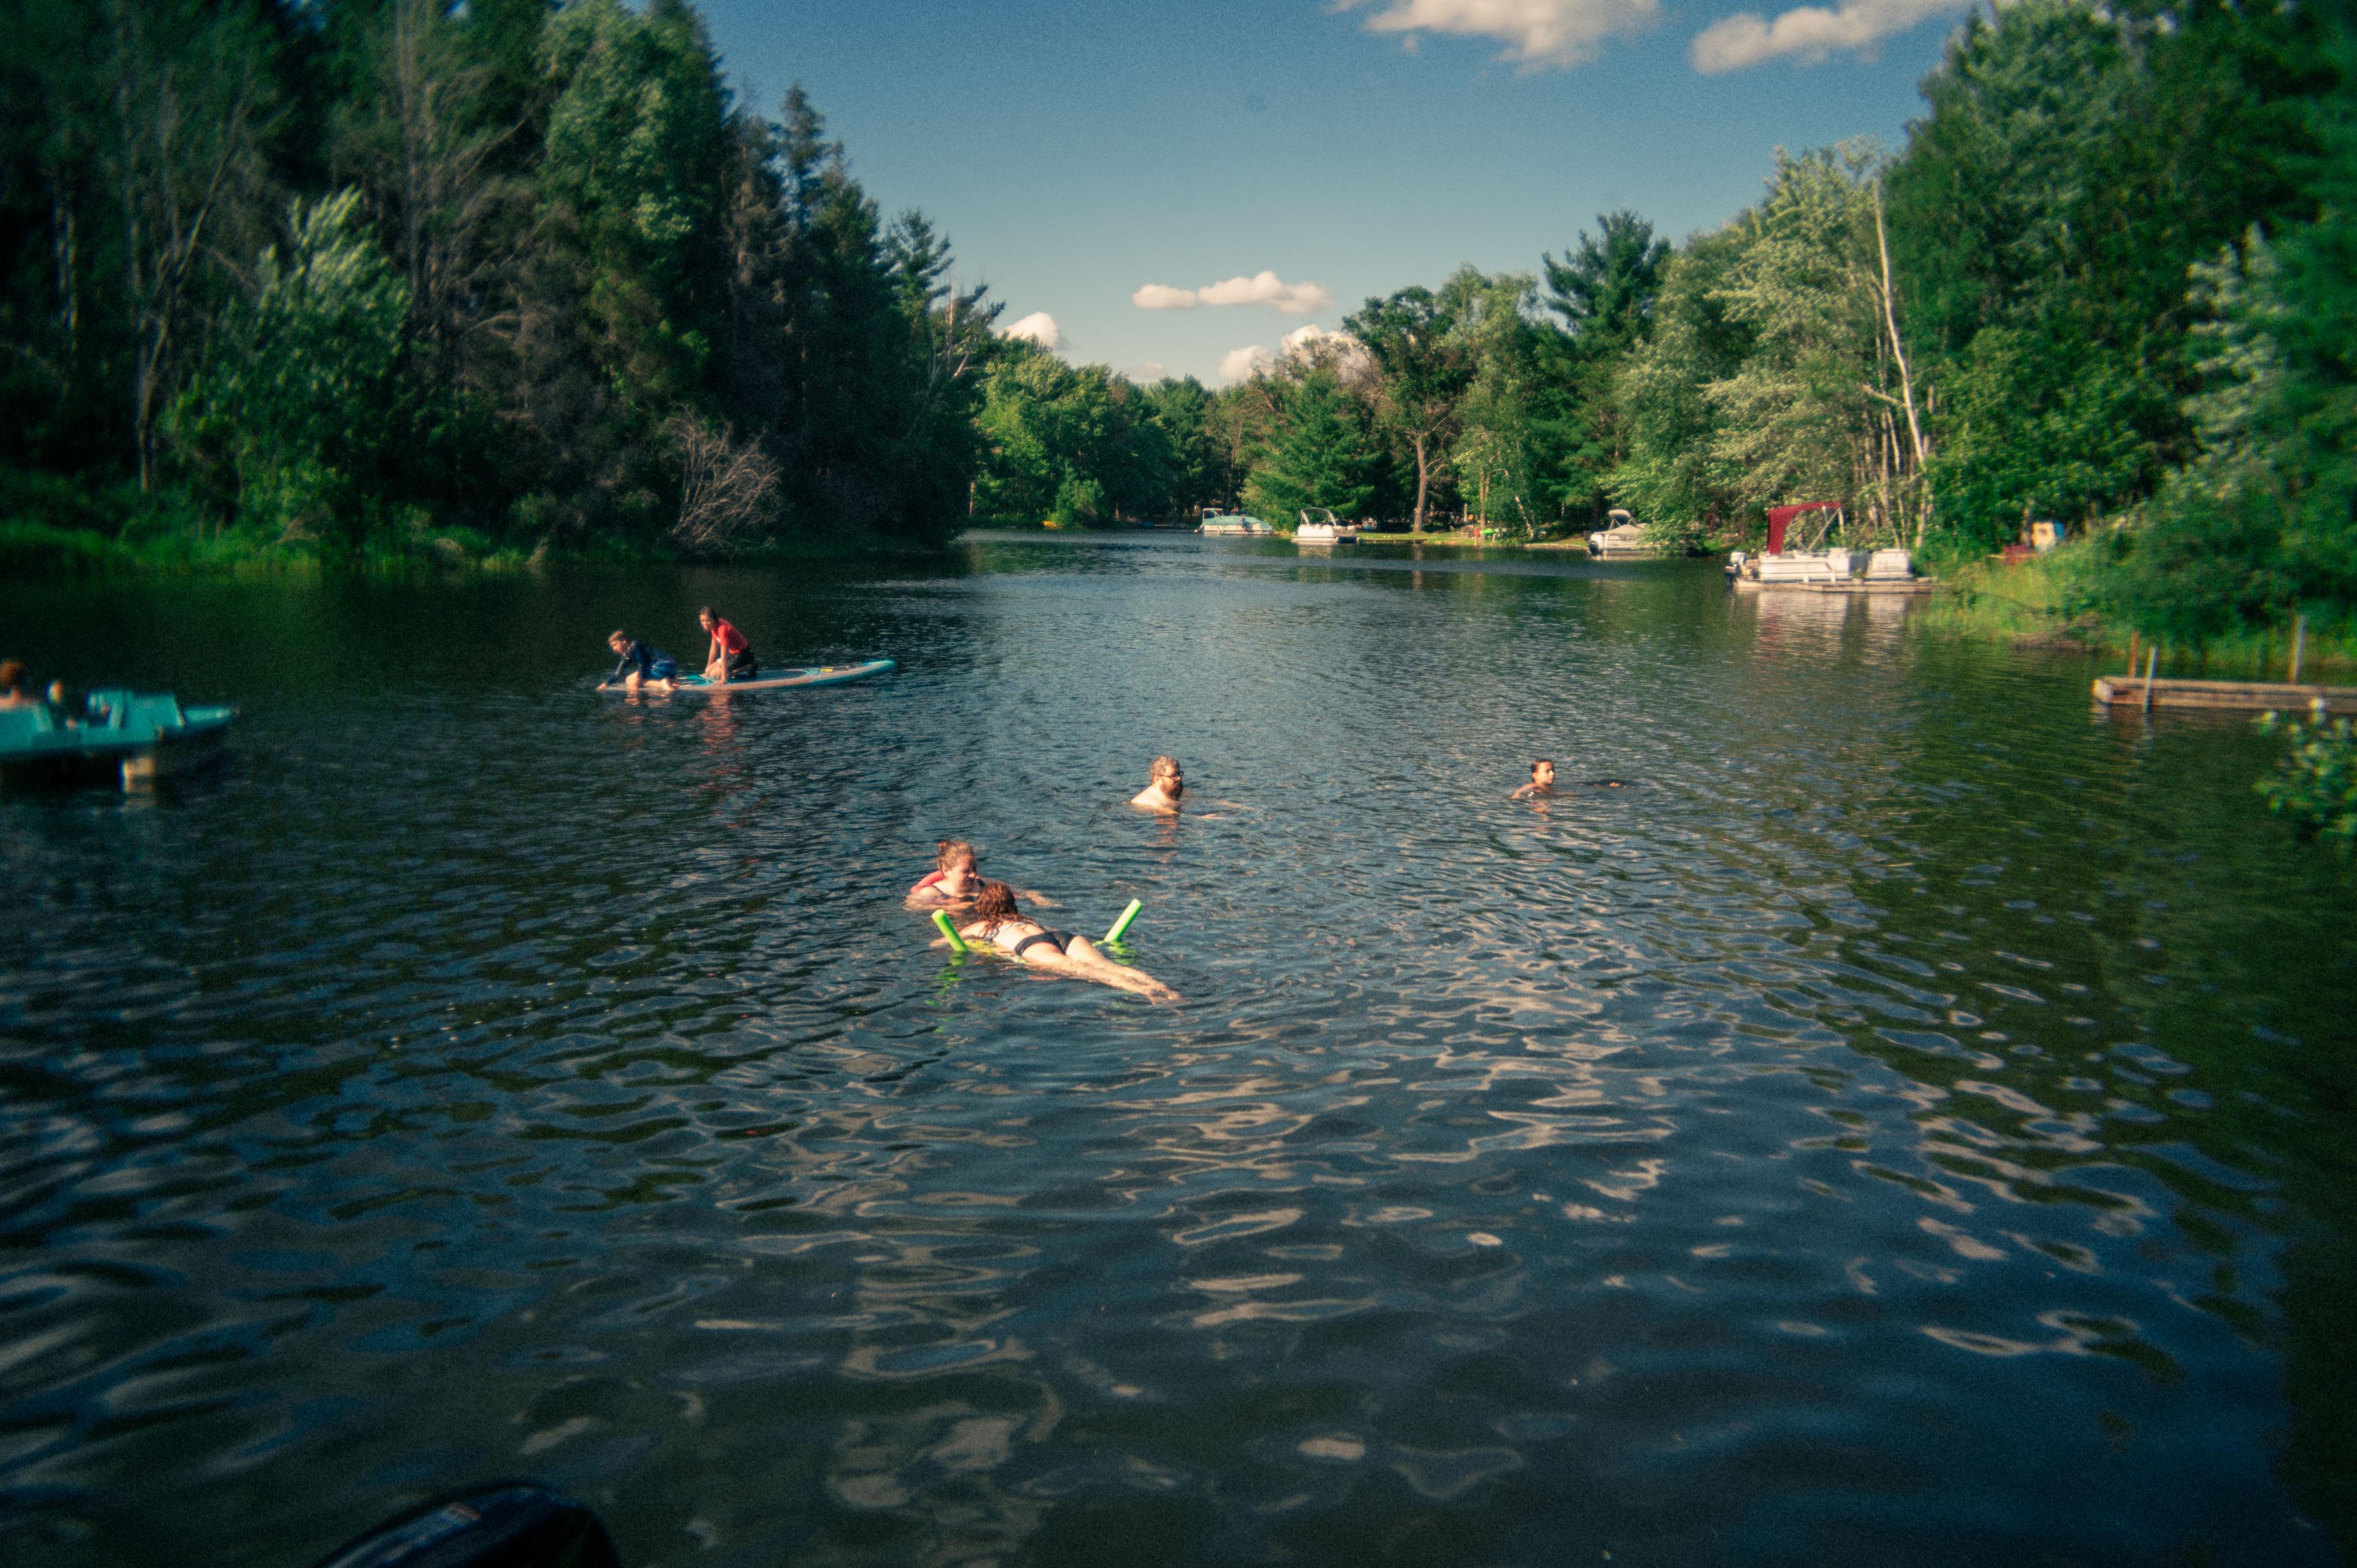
{"x": 1542, "y": 781}
{"x": 643, "y": 664}
{"x": 1162, "y": 794}
{"x": 731, "y": 658}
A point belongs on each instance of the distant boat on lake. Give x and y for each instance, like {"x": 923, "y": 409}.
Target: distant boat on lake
{"x": 1233, "y": 522}
{"x": 1624, "y": 540}
{"x": 1319, "y": 526}
{"x": 1800, "y": 555}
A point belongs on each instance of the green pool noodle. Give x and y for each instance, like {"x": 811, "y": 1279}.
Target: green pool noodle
{"x": 957, "y": 943}
{"x": 1122, "y": 924}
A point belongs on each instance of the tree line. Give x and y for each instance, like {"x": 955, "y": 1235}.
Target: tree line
{"x": 345, "y": 275}
{"x": 2109, "y": 280}
{"x": 340, "y": 274}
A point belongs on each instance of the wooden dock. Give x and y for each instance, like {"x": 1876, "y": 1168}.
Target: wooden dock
{"x": 2246, "y": 696}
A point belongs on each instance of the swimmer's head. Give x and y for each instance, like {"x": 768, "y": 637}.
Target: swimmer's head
{"x": 1167, "y": 774}
{"x": 994, "y": 902}
{"x": 1542, "y": 771}
{"x": 617, "y": 640}
{"x": 955, "y": 862}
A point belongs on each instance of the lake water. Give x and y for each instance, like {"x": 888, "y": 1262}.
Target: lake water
{"x": 1907, "y": 1123}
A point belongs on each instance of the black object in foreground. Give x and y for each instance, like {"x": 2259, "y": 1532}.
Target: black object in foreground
{"x": 505, "y": 1525}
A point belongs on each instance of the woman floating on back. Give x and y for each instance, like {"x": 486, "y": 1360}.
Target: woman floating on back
{"x": 999, "y": 922}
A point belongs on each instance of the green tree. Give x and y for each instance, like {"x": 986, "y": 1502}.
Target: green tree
{"x": 290, "y": 404}
{"x": 1321, "y": 456}
{"x": 1426, "y": 370}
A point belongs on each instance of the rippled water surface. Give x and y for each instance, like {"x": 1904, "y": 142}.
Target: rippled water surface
{"x": 1908, "y": 1122}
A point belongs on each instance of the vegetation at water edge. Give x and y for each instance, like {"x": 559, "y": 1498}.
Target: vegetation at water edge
{"x": 2315, "y": 782}
{"x": 402, "y": 281}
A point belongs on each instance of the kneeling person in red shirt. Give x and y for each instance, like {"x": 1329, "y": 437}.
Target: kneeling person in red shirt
{"x": 732, "y": 657}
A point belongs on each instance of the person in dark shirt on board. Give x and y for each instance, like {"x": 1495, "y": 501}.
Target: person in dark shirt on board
{"x": 643, "y": 664}
{"x": 732, "y": 657}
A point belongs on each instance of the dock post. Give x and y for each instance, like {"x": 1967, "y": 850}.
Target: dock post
{"x": 2298, "y": 645}
{"x": 2132, "y": 653}
{"x": 2151, "y": 659}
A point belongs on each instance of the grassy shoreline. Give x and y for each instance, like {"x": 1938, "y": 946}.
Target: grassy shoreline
{"x": 40, "y": 549}
{"x": 2045, "y": 603}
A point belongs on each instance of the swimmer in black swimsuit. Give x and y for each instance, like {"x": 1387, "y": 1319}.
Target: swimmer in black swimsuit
{"x": 998, "y": 921}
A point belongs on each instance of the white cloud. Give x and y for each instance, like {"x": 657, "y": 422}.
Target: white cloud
{"x": 1307, "y": 344}
{"x": 1148, "y": 373}
{"x": 1241, "y": 364}
{"x": 1040, "y": 328}
{"x": 1261, "y": 288}
{"x": 1537, "y": 33}
{"x": 1162, "y": 297}
{"x": 1807, "y": 33}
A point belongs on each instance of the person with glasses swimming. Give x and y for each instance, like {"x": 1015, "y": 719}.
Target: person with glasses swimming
{"x": 1163, "y": 792}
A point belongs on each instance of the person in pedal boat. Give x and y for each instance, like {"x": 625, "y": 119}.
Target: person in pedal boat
{"x": 998, "y": 921}
{"x": 12, "y": 686}
{"x": 643, "y": 664}
{"x": 1162, "y": 793}
{"x": 1542, "y": 781}
{"x": 731, "y": 658}
{"x": 955, "y": 879}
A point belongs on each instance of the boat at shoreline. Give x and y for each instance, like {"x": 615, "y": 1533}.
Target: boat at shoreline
{"x": 1320, "y": 526}
{"x": 136, "y": 739}
{"x": 1623, "y": 540}
{"x": 1800, "y": 555}
{"x": 1233, "y": 522}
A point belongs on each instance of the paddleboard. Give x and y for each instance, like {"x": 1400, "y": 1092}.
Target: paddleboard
{"x": 778, "y": 681}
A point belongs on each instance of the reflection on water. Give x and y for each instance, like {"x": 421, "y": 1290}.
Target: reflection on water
{"x": 1900, "y": 1125}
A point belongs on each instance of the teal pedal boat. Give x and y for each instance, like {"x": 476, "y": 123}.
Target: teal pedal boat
{"x": 120, "y": 735}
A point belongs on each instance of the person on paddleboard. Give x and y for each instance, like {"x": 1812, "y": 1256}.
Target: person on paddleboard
{"x": 1542, "y": 781}
{"x": 1162, "y": 793}
{"x": 642, "y": 663}
{"x": 955, "y": 879}
{"x": 999, "y": 922}
{"x": 731, "y": 658}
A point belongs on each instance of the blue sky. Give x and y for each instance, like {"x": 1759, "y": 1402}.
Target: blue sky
{"x": 1077, "y": 152}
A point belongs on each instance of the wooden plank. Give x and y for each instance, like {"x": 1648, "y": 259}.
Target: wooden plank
{"x": 2248, "y": 696}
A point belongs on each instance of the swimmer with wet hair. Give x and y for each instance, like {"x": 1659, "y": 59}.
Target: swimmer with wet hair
{"x": 1162, "y": 793}
{"x": 1542, "y": 781}
{"x": 999, "y": 921}
{"x": 955, "y": 878}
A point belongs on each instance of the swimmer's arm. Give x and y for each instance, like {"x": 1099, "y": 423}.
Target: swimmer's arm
{"x": 1028, "y": 896}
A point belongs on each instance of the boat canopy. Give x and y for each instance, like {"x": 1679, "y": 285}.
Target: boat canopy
{"x": 1779, "y": 519}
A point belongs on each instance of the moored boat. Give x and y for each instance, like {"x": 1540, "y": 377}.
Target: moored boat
{"x": 1625, "y": 538}
{"x": 1320, "y": 526}
{"x": 1233, "y": 522}
{"x": 1800, "y": 555}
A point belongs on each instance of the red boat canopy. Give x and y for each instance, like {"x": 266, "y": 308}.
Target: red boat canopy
{"x": 1779, "y": 518}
